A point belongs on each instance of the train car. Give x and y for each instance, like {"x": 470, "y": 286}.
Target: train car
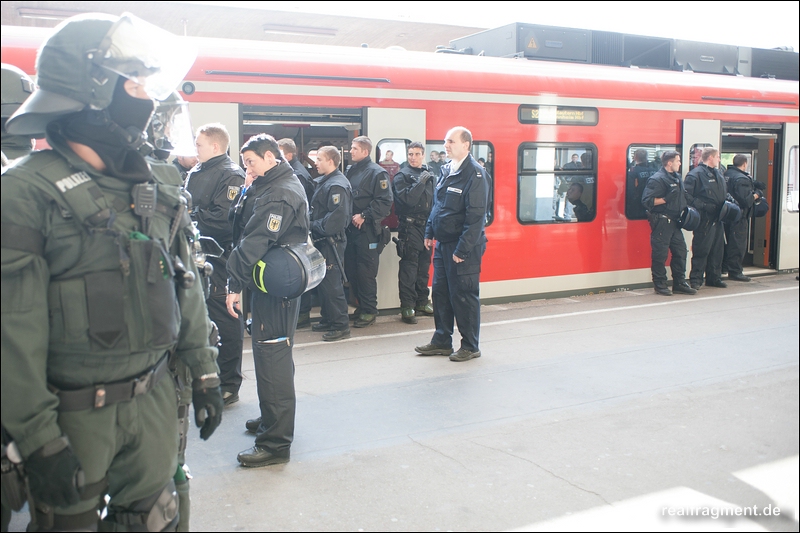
{"x": 540, "y": 126}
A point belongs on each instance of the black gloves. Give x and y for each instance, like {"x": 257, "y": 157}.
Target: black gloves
{"x": 425, "y": 176}
{"x": 55, "y": 474}
{"x": 208, "y": 405}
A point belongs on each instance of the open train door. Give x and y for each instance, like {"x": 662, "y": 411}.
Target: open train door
{"x": 382, "y": 124}
{"x": 697, "y": 134}
{"x": 788, "y": 226}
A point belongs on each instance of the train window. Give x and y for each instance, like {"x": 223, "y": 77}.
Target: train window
{"x": 791, "y": 183}
{"x": 560, "y": 115}
{"x": 482, "y": 151}
{"x": 557, "y": 182}
{"x": 643, "y": 160}
{"x": 391, "y": 154}
{"x": 696, "y": 154}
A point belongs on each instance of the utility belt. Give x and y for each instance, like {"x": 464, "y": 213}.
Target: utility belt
{"x": 414, "y": 221}
{"x": 97, "y": 396}
{"x": 654, "y": 216}
{"x": 336, "y": 238}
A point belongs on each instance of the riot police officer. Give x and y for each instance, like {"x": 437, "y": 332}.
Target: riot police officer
{"x": 413, "y": 200}
{"x": 372, "y": 202}
{"x": 17, "y": 87}
{"x": 330, "y": 216}
{"x": 214, "y": 184}
{"x": 706, "y": 191}
{"x": 746, "y": 193}
{"x": 279, "y": 217}
{"x": 96, "y": 285}
{"x": 664, "y": 200}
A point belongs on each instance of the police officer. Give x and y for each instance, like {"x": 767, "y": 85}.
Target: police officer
{"x": 372, "y": 202}
{"x": 413, "y": 199}
{"x": 743, "y": 189}
{"x": 214, "y": 184}
{"x": 279, "y": 217}
{"x": 16, "y": 87}
{"x": 289, "y": 149}
{"x": 635, "y": 183}
{"x": 96, "y": 285}
{"x": 664, "y": 200}
{"x": 457, "y": 224}
{"x": 330, "y": 216}
{"x": 183, "y": 164}
{"x": 706, "y": 192}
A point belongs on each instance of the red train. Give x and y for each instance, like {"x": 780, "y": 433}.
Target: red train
{"x": 540, "y": 126}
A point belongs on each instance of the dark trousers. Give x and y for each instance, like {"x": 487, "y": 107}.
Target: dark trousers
{"x": 736, "y": 245}
{"x": 707, "y": 250}
{"x": 274, "y": 324}
{"x": 333, "y": 306}
{"x": 666, "y": 237}
{"x": 456, "y": 295}
{"x": 231, "y": 331}
{"x": 415, "y": 263}
{"x": 361, "y": 265}
{"x": 305, "y": 301}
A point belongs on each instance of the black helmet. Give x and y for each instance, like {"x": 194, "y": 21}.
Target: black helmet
{"x": 760, "y": 208}
{"x": 289, "y": 271}
{"x": 17, "y": 87}
{"x": 689, "y": 219}
{"x": 730, "y": 213}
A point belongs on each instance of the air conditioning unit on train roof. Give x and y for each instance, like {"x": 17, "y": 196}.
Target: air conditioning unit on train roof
{"x": 531, "y": 42}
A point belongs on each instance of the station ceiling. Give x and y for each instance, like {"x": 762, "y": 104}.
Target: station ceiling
{"x": 251, "y": 24}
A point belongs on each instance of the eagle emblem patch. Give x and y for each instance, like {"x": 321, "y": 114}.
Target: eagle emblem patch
{"x": 274, "y": 222}
{"x": 384, "y": 184}
{"x": 232, "y": 192}
{"x": 336, "y": 198}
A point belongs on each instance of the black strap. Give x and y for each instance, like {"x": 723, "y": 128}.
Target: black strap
{"x": 104, "y": 394}
{"x": 22, "y": 238}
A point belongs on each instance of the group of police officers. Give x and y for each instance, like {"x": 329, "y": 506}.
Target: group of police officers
{"x": 105, "y": 272}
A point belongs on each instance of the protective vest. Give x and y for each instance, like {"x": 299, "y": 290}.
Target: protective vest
{"x": 116, "y": 295}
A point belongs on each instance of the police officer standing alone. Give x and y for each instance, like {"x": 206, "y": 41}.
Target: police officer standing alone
{"x": 279, "y": 217}
{"x": 664, "y": 200}
{"x": 413, "y": 200}
{"x": 743, "y": 190}
{"x": 372, "y": 202}
{"x": 330, "y": 216}
{"x": 88, "y": 230}
{"x": 706, "y": 192}
{"x": 457, "y": 224}
{"x": 214, "y": 184}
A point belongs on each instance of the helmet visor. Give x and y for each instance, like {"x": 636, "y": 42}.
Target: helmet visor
{"x": 172, "y": 129}
{"x": 146, "y": 54}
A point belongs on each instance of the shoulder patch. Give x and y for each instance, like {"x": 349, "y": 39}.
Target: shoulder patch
{"x": 232, "y": 192}
{"x": 274, "y": 222}
{"x": 336, "y": 198}
{"x": 384, "y": 184}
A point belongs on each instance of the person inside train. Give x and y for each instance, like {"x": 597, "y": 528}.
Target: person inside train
{"x": 635, "y": 182}
{"x": 579, "y": 209}
{"x": 574, "y": 164}
{"x": 586, "y": 160}
{"x": 389, "y": 164}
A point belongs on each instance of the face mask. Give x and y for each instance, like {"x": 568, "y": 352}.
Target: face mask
{"x": 128, "y": 111}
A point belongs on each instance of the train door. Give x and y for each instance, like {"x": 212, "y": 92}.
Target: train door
{"x": 787, "y": 204}
{"x": 389, "y": 125}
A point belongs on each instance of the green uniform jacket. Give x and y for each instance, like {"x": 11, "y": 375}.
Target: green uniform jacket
{"x": 81, "y": 304}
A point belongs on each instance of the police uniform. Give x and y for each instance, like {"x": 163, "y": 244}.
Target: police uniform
{"x": 457, "y": 224}
{"x": 372, "y": 198}
{"x": 213, "y": 186}
{"x": 330, "y": 215}
{"x": 706, "y": 192}
{"x": 413, "y": 201}
{"x": 182, "y": 170}
{"x": 742, "y": 188}
{"x": 279, "y": 217}
{"x": 666, "y": 236}
{"x": 634, "y": 187}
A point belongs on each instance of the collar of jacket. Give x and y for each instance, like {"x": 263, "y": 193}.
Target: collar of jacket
{"x": 319, "y": 180}
{"x": 281, "y": 170}
{"x": 462, "y": 166}
{"x": 214, "y": 161}
{"x": 361, "y": 164}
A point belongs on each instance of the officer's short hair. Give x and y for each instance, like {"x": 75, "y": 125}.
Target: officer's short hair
{"x": 217, "y": 133}
{"x": 416, "y": 144}
{"x": 261, "y": 144}
{"x": 364, "y": 142}
{"x": 288, "y": 146}
{"x": 466, "y": 135}
{"x": 739, "y": 160}
{"x": 330, "y": 153}
{"x": 668, "y": 156}
{"x": 640, "y": 155}
{"x": 708, "y": 152}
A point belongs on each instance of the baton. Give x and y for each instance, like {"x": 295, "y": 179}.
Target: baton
{"x": 338, "y": 259}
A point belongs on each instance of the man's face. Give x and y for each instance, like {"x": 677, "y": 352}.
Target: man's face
{"x": 256, "y": 164}
{"x": 434, "y": 157}
{"x": 574, "y": 158}
{"x": 324, "y": 165}
{"x": 415, "y": 157}
{"x": 389, "y": 155}
{"x": 187, "y": 161}
{"x": 206, "y": 149}
{"x": 357, "y": 153}
{"x": 455, "y": 148}
{"x": 674, "y": 165}
{"x": 713, "y": 161}
{"x": 573, "y": 193}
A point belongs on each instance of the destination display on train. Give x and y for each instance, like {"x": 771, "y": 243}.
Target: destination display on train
{"x": 559, "y": 115}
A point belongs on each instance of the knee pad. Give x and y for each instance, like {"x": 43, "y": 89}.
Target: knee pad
{"x": 158, "y": 512}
